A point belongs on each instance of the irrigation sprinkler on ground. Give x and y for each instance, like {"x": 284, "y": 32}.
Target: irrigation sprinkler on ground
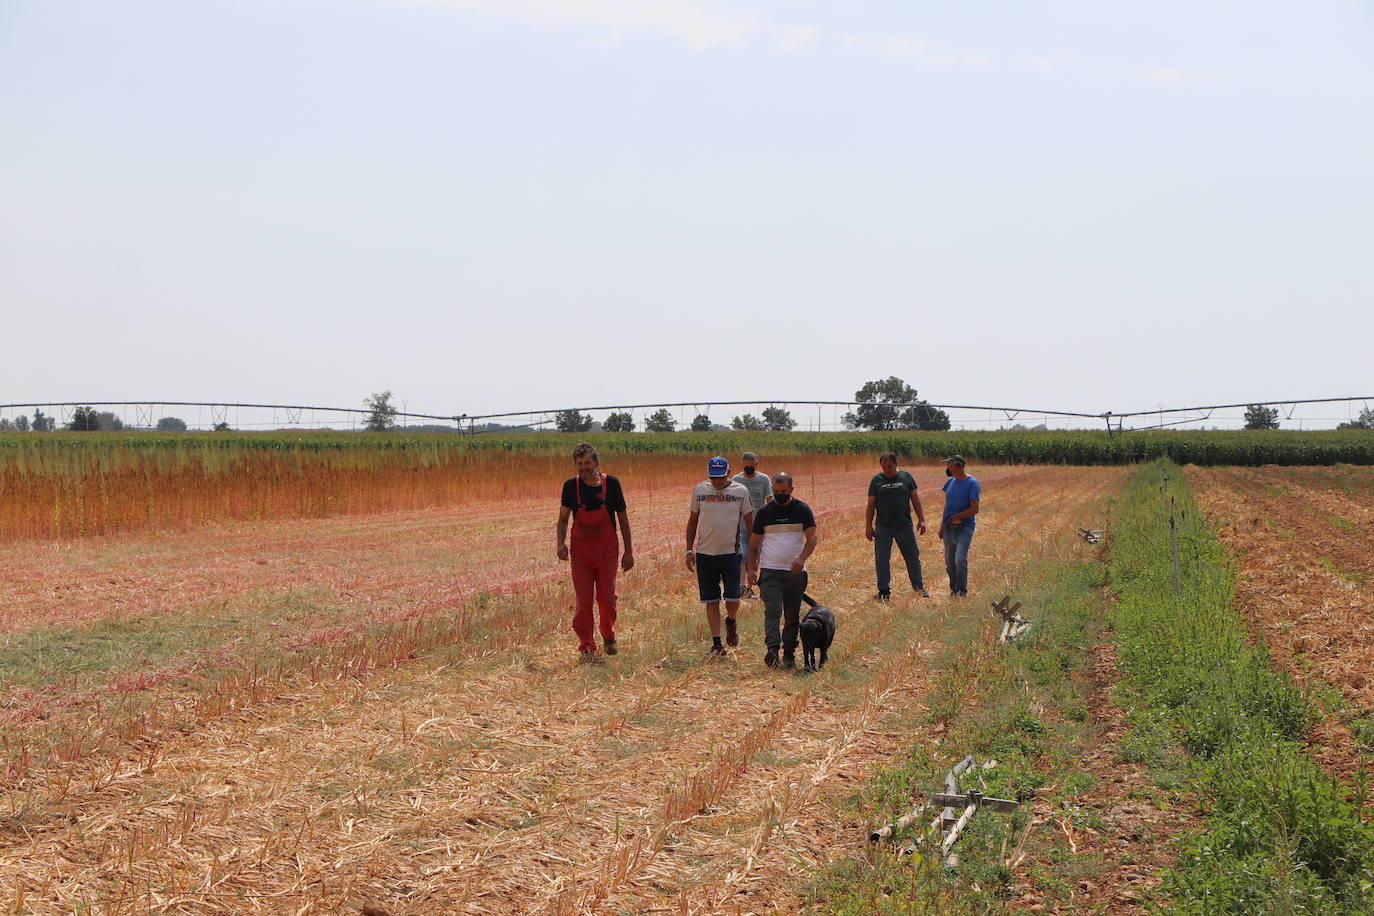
{"x": 1091, "y": 535}
{"x": 948, "y": 823}
{"x": 1013, "y": 626}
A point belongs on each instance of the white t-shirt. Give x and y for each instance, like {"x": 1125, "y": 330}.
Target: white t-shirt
{"x": 719, "y": 513}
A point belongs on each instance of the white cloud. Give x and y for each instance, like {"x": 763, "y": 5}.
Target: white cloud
{"x": 907, "y": 46}
{"x": 698, "y": 25}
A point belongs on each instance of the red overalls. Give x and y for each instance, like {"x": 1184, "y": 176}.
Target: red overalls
{"x": 595, "y": 555}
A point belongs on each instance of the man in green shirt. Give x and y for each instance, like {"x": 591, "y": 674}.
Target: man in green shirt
{"x": 891, "y": 497}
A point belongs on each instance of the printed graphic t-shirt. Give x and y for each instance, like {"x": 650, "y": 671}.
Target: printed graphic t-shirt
{"x": 591, "y": 496}
{"x": 958, "y": 495}
{"x": 893, "y": 498}
{"x": 783, "y": 530}
{"x": 719, "y": 513}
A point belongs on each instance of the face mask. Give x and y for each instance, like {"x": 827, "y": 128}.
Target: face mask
{"x": 749, "y": 472}
{"x": 782, "y": 499}
{"x": 948, "y": 472}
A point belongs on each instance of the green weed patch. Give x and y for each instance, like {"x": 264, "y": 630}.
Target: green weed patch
{"x": 1021, "y": 705}
{"x": 1278, "y": 834}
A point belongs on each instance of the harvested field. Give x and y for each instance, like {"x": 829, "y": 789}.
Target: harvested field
{"x": 1303, "y": 539}
{"x": 489, "y": 773}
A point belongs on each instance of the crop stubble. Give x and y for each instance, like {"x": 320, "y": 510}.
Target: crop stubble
{"x": 518, "y": 782}
{"x": 1303, "y": 539}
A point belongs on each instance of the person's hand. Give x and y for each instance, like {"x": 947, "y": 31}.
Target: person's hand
{"x": 752, "y": 576}
{"x": 941, "y": 533}
{"x": 920, "y": 527}
{"x": 798, "y": 565}
{"x": 563, "y": 552}
{"x": 868, "y": 532}
{"x": 691, "y": 562}
{"x": 956, "y": 521}
{"x": 627, "y": 562}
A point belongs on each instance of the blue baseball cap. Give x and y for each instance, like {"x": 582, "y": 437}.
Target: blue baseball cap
{"x": 717, "y": 467}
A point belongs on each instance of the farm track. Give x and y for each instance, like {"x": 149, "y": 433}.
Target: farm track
{"x": 518, "y": 781}
{"x": 1303, "y": 540}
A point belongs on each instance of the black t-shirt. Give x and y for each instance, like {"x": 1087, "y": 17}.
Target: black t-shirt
{"x": 591, "y": 496}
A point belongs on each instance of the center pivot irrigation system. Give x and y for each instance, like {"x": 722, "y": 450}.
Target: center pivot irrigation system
{"x": 145, "y": 413}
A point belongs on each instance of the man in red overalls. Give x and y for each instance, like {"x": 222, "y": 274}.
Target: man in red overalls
{"x": 596, "y": 502}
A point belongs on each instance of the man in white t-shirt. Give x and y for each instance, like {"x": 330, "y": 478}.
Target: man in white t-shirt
{"x": 719, "y": 505}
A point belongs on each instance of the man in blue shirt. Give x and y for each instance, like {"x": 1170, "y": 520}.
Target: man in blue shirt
{"x": 962, "y": 493}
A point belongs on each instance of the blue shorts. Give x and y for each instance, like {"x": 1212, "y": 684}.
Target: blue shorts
{"x": 715, "y": 570}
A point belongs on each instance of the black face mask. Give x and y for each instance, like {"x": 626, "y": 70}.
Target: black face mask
{"x": 749, "y": 472}
{"x": 782, "y": 499}
{"x": 948, "y": 472}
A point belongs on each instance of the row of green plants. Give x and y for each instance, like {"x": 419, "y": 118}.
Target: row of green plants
{"x": 1022, "y": 706}
{"x": 68, "y": 453}
{"x": 1209, "y": 713}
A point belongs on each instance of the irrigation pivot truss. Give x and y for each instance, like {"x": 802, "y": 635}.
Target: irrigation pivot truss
{"x": 144, "y": 414}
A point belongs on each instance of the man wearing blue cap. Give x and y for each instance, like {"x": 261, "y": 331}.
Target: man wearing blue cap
{"x": 719, "y": 505}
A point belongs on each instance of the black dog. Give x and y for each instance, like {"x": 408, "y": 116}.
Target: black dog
{"x": 817, "y": 632}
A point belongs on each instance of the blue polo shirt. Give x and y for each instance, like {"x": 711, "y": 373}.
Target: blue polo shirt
{"x": 958, "y": 495}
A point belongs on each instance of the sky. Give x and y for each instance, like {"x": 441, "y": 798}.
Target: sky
{"x": 490, "y": 205}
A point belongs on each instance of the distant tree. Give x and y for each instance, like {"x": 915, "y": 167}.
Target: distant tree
{"x": 778, "y": 420}
{"x": 619, "y": 423}
{"x": 21, "y": 423}
{"x": 660, "y": 421}
{"x": 222, "y": 427}
{"x": 747, "y": 423}
{"x": 84, "y": 419}
{"x": 878, "y": 411}
{"x": 109, "y": 422}
{"x": 1364, "y": 421}
{"x": 1259, "y": 417}
{"x": 42, "y": 423}
{"x": 381, "y": 412}
{"x": 572, "y": 421}
{"x": 6, "y": 425}
{"x": 171, "y": 424}
{"x": 701, "y": 423}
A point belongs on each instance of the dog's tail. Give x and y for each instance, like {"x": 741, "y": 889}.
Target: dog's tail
{"x": 810, "y": 602}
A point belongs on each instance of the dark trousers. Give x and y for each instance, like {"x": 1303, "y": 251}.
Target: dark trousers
{"x": 781, "y": 591}
{"x": 905, "y": 537}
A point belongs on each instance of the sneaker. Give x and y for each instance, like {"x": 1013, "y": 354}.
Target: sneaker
{"x": 610, "y": 647}
{"x": 789, "y": 661}
{"x": 921, "y": 590}
{"x": 586, "y": 657}
{"x": 771, "y": 659}
{"x": 883, "y": 596}
{"x": 731, "y": 632}
{"x": 747, "y": 593}
{"x": 717, "y": 650}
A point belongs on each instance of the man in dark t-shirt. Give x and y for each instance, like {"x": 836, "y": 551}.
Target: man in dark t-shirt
{"x": 891, "y": 497}
{"x": 594, "y": 502}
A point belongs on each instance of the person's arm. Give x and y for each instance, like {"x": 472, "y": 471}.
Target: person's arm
{"x": 751, "y": 568}
{"x": 971, "y": 511}
{"x": 627, "y": 559}
{"x": 749, "y": 520}
{"x": 562, "y": 540}
{"x": 920, "y": 512}
{"x": 868, "y": 516}
{"x": 692, "y": 519}
{"x": 812, "y": 538}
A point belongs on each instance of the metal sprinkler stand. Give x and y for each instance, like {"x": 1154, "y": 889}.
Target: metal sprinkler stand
{"x": 947, "y": 822}
{"x": 1092, "y": 535}
{"x": 1013, "y": 626}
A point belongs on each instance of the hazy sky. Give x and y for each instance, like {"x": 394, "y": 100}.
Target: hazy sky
{"x": 494, "y": 204}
